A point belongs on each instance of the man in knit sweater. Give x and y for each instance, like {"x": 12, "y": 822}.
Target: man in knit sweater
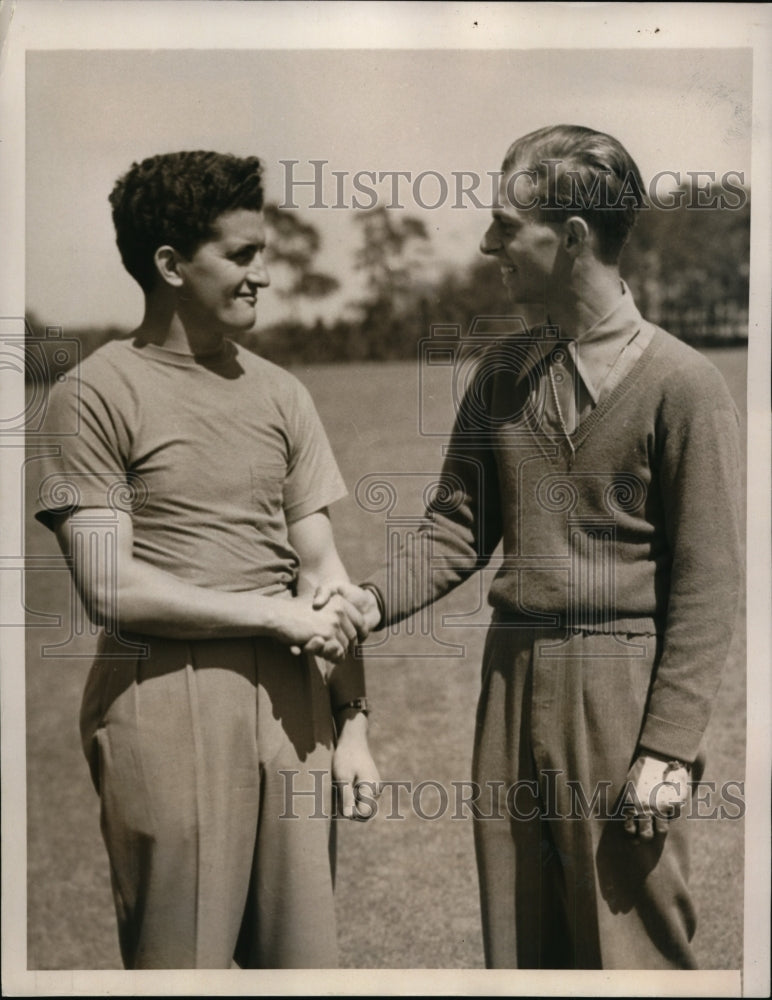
{"x": 604, "y": 455}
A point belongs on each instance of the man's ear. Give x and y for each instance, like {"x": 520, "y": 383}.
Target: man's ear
{"x": 576, "y": 235}
{"x": 167, "y": 260}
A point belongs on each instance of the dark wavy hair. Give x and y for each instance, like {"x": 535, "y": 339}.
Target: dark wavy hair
{"x": 174, "y": 199}
{"x": 582, "y": 172}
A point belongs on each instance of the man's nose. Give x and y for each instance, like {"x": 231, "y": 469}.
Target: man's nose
{"x": 258, "y": 273}
{"x": 489, "y": 243}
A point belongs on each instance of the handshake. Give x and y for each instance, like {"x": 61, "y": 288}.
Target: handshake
{"x": 337, "y": 615}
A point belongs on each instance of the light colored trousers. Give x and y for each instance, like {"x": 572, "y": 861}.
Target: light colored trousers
{"x": 559, "y": 890}
{"x": 215, "y": 854}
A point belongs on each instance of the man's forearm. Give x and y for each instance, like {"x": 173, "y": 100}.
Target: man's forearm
{"x": 139, "y": 597}
{"x": 154, "y": 602}
{"x": 347, "y": 682}
{"x": 420, "y": 574}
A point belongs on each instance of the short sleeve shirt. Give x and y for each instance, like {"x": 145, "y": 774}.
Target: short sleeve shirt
{"x": 214, "y": 457}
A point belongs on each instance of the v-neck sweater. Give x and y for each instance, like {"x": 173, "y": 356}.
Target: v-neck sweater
{"x": 634, "y": 532}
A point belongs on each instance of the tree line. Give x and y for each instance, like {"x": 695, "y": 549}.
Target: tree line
{"x": 688, "y": 269}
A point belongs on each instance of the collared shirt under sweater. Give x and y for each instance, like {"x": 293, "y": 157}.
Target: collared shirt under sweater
{"x": 633, "y": 530}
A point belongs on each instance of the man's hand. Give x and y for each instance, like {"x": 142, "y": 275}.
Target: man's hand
{"x": 354, "y": 772}
{"x": 360, "y": 597}
{"x": 324, "y": 631}
{"x": 655, "y": 792}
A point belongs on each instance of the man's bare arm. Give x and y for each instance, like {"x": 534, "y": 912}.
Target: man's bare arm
{"x": 142, "y": 598}
{"x": 321, "y": 570}
{"x": 354, "y": 770}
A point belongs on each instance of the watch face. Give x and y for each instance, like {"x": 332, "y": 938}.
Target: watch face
{"x": 357, "y": 704}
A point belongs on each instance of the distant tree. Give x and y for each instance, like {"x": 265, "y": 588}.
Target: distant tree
{"x": 292, "y": 248}
{"x": 391, "y": 258}
{"x": 384, "y": 256}
{"x": 689, "y": 267}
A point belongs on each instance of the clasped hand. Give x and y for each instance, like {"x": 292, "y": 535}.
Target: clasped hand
{"x": 358, "y": 597}
{"x": 655, "y": 792}
{"x": 338, "y": 615}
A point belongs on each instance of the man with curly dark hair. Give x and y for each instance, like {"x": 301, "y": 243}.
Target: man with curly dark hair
{"x": 192, "y": 507}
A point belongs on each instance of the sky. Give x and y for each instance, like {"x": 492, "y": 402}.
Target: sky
{"x": 91, "y": 112}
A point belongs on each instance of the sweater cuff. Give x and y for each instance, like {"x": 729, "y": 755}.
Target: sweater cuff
{"x": 375, "y": 591}
{"x": 669, "y": 739}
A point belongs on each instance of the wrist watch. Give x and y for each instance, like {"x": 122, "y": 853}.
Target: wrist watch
{"x": 355, "y": 705}
{"x": 672, "y": 763}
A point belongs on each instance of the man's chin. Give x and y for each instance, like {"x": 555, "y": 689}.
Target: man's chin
{"x": 242, "y": 325}
{"x": 515, "y": 293}
{"x": 533, "y": 313}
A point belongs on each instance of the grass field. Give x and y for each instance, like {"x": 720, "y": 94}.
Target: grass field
{"x": 406, "y": 889}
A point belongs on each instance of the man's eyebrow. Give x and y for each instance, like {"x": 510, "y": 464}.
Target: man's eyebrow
{"x": 239, "y": 245}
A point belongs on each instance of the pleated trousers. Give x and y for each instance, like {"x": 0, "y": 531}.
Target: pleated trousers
{"x": 561, "y": 884}
{"x": 212, "y": 762}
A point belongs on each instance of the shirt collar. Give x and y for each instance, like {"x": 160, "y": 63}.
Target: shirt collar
{"x": 596, "y": 350}
{"x": 621, "y": 323}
